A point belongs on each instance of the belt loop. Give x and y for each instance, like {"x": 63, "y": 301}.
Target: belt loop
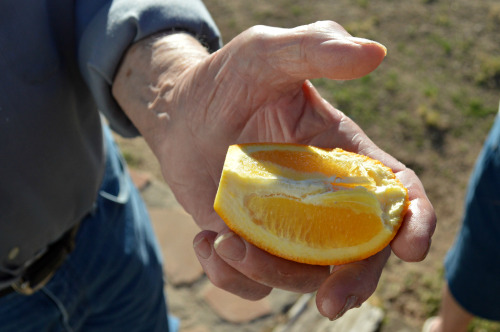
{"x": 24, "y": 287}
{"x": 39, "y": 273}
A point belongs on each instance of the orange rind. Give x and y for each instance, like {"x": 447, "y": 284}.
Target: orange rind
{"x": 310, "y": 205}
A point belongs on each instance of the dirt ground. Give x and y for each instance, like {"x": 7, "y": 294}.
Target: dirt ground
{"x": 430, "y": 104}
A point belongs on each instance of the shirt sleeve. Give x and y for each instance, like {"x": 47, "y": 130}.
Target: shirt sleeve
{"x": 105, "y": 29}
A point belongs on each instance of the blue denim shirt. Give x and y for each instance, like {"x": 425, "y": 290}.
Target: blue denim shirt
{"x": 57, "y": 63}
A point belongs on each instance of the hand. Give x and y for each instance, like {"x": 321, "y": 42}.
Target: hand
{"x": 190, "y": 106}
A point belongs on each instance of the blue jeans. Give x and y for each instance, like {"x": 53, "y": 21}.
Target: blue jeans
{"x": 473, "y": 263}
{"x": 112, "y": 281}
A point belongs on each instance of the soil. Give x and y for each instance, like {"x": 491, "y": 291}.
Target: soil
{"x": 434, "y": 117}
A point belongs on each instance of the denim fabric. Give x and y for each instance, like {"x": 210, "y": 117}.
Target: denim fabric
{"x": 112, "y": 281}
{"x": 473, "y": 263}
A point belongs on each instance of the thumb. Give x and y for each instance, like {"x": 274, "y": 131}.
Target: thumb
{"x": 321, "y": 49}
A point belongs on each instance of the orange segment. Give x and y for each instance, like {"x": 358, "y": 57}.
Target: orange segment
{"x": 304, "y": 161}
{"x": 271, "y": 213}
{"x": 308, "y": 204}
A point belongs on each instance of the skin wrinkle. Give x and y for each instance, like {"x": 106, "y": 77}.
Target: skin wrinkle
{"x": 341, "y": 60}
{"x": 258, "y": 118}
{"x": 207, "y": 106}
{"x": 224, "y": 279}
{"x": 219, "y": 77}
{"x": 159, "y": 93}
{"x": 251, "y": 50}
{"x": 242, "y": 86}
{"x": 300, "y": 118}
{"x": 302, "y": 285}
{"x": 322, "y": 136}
{"x": 281, "y": 116}
{"x": 314, "y": 63}
{"x": 303, "y": 54}
{"x": 318, "y": 108}
{"x": 203, "y": 110}
{"x": 371, "y": 150}
{"x": 342, "y": 57}
{"x": 308, "y": 285}
{"x": 413, "y": 187}
{"x": 356, "y": 143}
{"x": 220, "y": 60}
{"x": 245, "y": 122}
{"x": 207, "y": 223}
{"x": 299, "y": 60}
{"x": 312, "y": 110}
{"x": 181, "y": 190}
{"x": 278, "y": 62}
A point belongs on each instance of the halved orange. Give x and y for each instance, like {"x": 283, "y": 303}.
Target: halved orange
{"x": 310, "y": 205}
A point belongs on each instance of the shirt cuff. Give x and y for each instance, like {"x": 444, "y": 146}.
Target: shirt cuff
{"x": 105, "y": 32}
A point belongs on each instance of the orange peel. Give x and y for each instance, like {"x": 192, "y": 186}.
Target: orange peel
{"x": 310, "y": 205}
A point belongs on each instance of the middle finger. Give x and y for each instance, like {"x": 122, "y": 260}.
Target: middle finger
{"x": 268, "y": 269}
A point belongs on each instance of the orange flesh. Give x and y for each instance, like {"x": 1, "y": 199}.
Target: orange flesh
{"x": 342, "y": 227}
{"x": 306, "y": 162}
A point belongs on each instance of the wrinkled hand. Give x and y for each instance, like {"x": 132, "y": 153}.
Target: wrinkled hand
{"x": 256, "y": 89}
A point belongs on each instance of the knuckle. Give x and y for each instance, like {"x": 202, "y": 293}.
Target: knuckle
{"x": 259, "y": 38}
{"x": 222, "y": 280}
{"x": 327, "y": 24}
{"x": 257, "y": 31}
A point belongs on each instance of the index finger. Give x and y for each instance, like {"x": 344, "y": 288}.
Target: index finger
{"x": 412, "y": 242}
{"x": 413, "y": 239}
{"x": 268, "y": 269}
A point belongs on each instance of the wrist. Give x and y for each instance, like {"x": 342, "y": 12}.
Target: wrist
{"x": 149, "y": 71}
{"x": 171, "y": 54}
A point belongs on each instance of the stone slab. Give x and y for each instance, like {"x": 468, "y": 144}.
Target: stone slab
{"x": 233, "y": 308}
{"x": 175, "y": 230}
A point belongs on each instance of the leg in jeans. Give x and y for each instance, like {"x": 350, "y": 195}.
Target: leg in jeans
{"x": 472, "y": 269}
{"x": 112, "y": 281}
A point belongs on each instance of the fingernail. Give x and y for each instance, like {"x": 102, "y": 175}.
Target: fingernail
{"x": 349, "y": 304}
{"x": 364, "y": 41}
{"x": 327, "y": 308}
{"x": 230, "y": 246}
{"x": 203, "y": 248}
